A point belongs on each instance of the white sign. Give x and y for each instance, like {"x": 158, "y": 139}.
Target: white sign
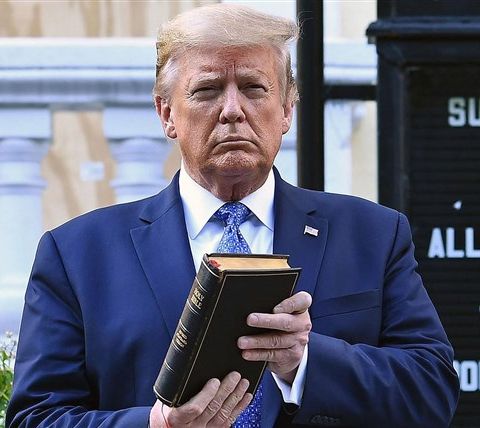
{"x": 463, "y": 111}
{"x": 445, "y": 248}
{"x": 468, "y": 372}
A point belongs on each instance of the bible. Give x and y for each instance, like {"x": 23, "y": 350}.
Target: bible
{"x": 226, "y": 289}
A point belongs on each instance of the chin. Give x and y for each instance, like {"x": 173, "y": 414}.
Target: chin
{"x": 239, "y": 167}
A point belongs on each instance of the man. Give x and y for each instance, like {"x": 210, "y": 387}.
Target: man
{"x": 107, "y": 288}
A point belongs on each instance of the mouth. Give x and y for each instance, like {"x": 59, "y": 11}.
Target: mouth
{"x": 234, "y": 139}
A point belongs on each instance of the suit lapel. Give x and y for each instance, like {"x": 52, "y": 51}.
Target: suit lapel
{"x": 293, "y": 211}
{"x": 164, "y": 252}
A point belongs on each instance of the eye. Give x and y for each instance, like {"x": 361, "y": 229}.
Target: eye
{"x": 205, "y": 92}
{"x": 203, "y": 89}
{"x": 255, "y": 86}
{"x": 254, "y": 90}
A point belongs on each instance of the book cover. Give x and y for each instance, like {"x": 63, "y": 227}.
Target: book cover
{"x": 226, "y": 289}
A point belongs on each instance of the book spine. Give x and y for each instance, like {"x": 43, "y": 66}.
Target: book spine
{"x": 187, "y": 336}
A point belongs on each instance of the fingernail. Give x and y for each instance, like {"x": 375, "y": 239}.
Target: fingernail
{"x": 242, "y": 342}
{"x": 215, "y": 382}
{"x": 278, "y": 309}
{"x": 245, "y": 383}
{"x": 252, "y": 320}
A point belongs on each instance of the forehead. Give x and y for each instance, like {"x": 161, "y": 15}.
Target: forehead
{"x": 259, "y": 60}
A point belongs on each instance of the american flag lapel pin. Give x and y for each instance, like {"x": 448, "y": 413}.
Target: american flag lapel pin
{"x": 309, "y": 230}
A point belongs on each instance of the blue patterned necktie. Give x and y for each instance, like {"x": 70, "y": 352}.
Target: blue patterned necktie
{"x": 233, "y": 214}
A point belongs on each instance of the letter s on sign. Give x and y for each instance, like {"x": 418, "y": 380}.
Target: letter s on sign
{"x": 457, "y": 115}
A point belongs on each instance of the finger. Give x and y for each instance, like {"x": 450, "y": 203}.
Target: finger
{"x": 270, "y": 355}
{"x": 157, "y": 413}
{"x": 296, "y": 304}
{"x": 225, "y": 413}
{"x": 240, "y": 407}
{"x": 227, "y": 387}
{"x": 193, "y": 408}
{"x": 267, "y": 341}
{"x": 282, "y": 322}
{"x": 279, "y": 361}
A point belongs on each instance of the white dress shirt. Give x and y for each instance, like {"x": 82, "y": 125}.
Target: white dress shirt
{"x": 205, "y": 231}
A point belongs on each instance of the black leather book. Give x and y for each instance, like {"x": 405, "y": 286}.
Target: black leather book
{"x": 227, "y": 288}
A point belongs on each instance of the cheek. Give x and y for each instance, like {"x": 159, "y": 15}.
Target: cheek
{"x": 269, "y": 125}
{"x": 269, "y": 115}
{"x": 194, "y": 146}
{"x": 191, "y": 131}
{"x": 191, "y": 148}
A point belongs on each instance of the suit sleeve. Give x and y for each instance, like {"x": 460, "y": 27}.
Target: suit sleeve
{"x": 405, "y": 381}
{"x": 51, "y": 386}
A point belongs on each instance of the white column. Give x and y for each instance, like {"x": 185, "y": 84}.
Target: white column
{"x": 341, "y": 118}
{"x": 286, "y": 160}
{"x": 21, "y": 223}
{"x": 140, "y": 149}
{"x": 139, "y": 168}
{"x": 23, "y": 144}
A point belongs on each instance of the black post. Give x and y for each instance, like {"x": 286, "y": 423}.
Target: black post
{"x": 310, "y": 128}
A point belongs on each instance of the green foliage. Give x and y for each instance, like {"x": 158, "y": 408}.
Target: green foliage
{"x": 7, "y": 357}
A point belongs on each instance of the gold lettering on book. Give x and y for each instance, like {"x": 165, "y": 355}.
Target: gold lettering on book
{"x": 181, "y": 339}
{"x": 197, "y": 298}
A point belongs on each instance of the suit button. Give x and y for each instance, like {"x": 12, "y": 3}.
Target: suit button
{"x": 325, "y": 420}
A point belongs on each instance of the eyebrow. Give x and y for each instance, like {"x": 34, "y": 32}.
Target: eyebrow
{"x": 202, "y": 79}
{"x": 241, "y": 72}
{"x": 247, "y": 73}
{"x": 208, "y": 76}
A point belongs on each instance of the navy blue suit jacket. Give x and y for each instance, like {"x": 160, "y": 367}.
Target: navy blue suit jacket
{"x": 107, "y": 289}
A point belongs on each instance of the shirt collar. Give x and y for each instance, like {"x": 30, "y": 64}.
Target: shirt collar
{"x": 199, "y": 204}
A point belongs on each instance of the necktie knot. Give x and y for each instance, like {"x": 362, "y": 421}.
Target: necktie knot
{"x": 232, "y": 213}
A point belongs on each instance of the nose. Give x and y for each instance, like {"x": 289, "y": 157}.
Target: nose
{"x": 232, "y": 110}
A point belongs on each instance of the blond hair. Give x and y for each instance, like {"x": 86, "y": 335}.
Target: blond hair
{"x": 224, "y": 25}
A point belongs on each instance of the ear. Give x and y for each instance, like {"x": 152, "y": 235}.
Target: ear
{"x": 287, "y": 116}
{"x": 164, "y": 112}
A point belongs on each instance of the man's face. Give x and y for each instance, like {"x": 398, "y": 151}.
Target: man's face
{"x": 227, "y": 114}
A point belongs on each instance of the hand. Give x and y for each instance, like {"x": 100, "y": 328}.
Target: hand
{"x": 283, "y": 348}
{"x": 218, "y": 404}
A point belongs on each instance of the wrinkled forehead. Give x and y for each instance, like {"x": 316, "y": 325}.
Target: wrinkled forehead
{"x": 252, "y": 60}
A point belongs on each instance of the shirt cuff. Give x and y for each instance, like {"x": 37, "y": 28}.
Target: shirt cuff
{"x": 293, "y": 393}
